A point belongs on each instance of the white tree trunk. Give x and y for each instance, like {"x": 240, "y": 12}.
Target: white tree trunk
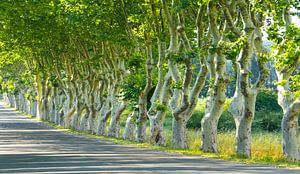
{"x": 291, "y": 111}
{"x": 17, "y": 101}
{"x": 209, "y": 123}
{"x": 289, "y": 126}
{"x": 243, "y": 132}
{"x": 105, "y": 113}
{"x": 179, "y": 140}
{"x": 33, "y": 107}
{"x": 77, "y": 115}
{"x": 52, "y": 108}
{"x": 130, "y": 126}
{"x": 157, "y": 130}
{"x": 83, "y": 120}
{"x": 142, "y": 120}
{"x": 217, "y": 68}
{"x": 114, "y": 125}
{"x": 40, "y": 88}
{"x": 91, "y": 120}
{"x": 11, "y": 100}
{"x": 69, "y": 109}
{"x": 179, "y": 121}
{"x": 156, "y": 117}
{"x": 60, "y": 110}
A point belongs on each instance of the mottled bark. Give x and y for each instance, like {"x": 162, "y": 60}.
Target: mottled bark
{"x": 291, "y": 112}
{"x": 290, "y": 126}
{"x": 114, "y": 125}
{"x": 216, "y": 100}
{"x": 142, "y": 120}
{"x": 79, "y": 107}
{"x": 52, "y": 108}
{"x": 157, "y": 115}
{"x": 105, "y": 113}
{"x": 83, "y": 120}
{"x": 90, "y": 125}
{"x": 39, "y": 87}
{"x": 33, "y": 107}
{"x": 156, "y": 129}
{"x": 179, "y": 133}
{"x": 214, "y": 110}
{"x": 69, "y": 108}
{"x": 130, "y": 126}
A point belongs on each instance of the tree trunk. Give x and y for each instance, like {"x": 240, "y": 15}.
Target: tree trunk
{"x": 77, "y": 115}
{"x": 114, "y": 125}
{"x": 69, "y": 109}
{"x": 60, "y": 110}
{"x": 28, "y": 106}
{"x": 179, "y": 140}
{"x": 17, "y": 102}
{"x": 130, "y": 126}
{"x": 209, "y": 133}
{"x": 91, "y": 119}
{"x": 52, "y": 106}
{"x": 243, "y": 137}
{"x": 142, "y": 120}
{"x": 215, "y": 103}
{"x": 45, "y": 109}
{"x": 291, "y": 111}
{"x": 11, "y": 100}
{"x": 105, "y": 112}
{"x": 209, "y": 123}
{"x": 289, "y": 126}
{"x": 101, "y": 129}
{"x": 156, "y": 117}
{"x": 83, "y": 120}
{"x": 58, "y": 107}
{"x": 243, "y": 132}
{"x": 157, "y": 130}
{"x": 40, "y": 88}
{"x": 33, "y": 107}
{"x": 179, "y": 127}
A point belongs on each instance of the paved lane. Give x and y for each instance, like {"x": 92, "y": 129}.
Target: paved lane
{"x": 27, "y": 146}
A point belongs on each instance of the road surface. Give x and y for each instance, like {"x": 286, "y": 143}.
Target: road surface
{"x": 27, "y": 146}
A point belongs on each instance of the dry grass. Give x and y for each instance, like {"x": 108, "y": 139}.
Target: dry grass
{"x": 266, "y": 147}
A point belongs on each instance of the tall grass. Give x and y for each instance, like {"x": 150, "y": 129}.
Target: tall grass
{"x": 266, "y": 147}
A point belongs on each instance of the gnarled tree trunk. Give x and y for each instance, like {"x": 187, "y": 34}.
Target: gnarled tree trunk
{"x": 105, "y": 113}
{"x": 114, "y": 125}
{"x": 142, "y": 120}
{"x": 291, "y": 112}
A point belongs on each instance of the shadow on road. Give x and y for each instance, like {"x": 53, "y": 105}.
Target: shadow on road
{"x": 27, "y": 146}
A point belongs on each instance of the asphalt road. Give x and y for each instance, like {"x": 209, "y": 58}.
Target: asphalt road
{"x": 27, "y": 146}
